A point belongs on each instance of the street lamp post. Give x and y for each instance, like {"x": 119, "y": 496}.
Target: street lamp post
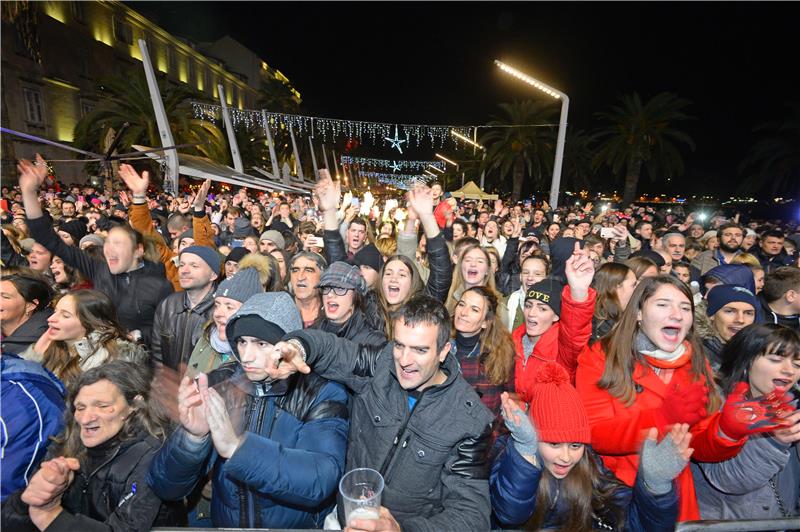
{"x": 562, "y": 124}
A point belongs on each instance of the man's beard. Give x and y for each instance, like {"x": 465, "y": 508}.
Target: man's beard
{"x": 727, "y": 249}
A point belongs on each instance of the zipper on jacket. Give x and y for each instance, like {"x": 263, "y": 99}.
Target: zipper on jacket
{"x": 249, "y": 495}
{"x": 388, "y": 460}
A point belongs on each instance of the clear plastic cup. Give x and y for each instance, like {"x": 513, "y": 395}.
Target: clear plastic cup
{"x": 361, "y": 491}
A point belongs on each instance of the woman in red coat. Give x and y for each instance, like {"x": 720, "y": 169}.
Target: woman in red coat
{"x": 557, "y": 325}
{"x": 650, "y": 371}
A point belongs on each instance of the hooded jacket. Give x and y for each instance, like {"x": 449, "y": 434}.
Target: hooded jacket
{"x": 432, "y": 458}
{"x": 561, "y": 343}
{"x": 286, "y": 468}
{"x": 136, "y": 293}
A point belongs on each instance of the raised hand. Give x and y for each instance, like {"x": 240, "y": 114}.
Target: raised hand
{"x": 498, "y": 206}
{"x": 791, "y": 432}
{"x": 420, "y": 198}
{"x": 225, "y": 439}
{"x": 662, "y": 462}
{"x": 136, "y": 183}
{"x": 31, "y": 174}
{"x": 523, "y": 433}
{"x": 202, "y": 195}
{"x": 742, "y": 417}
{"x": 327, "y": 192}
{"x": 579, "y": 272}
{"x": 190, "y": 405}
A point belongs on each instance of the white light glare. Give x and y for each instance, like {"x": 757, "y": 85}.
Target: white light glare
{"x": 465, "y": 139}
{"x": 445, "y": 159}
{"x": 527, "y": 79}
{"x": 436, "y": 168}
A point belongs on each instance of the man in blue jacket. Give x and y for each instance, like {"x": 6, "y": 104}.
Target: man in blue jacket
{"x": 275, "y": 446}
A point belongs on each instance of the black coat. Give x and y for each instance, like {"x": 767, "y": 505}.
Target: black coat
{"x": 136, "y": 294}
{"x": 28, "y": 333}
{"x": 114, "y": 496}
{"x": 177, "y": 328}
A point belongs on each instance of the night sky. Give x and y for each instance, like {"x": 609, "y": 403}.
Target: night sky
{"x": 431, "y": 63}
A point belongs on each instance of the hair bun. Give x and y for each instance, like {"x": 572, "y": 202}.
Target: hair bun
{"x": 552, "y": 373}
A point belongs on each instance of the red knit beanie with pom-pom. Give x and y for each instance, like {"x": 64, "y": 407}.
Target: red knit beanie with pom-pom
{"x": 556, "y": 409}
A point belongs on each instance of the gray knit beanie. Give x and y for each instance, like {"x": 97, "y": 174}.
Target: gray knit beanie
{"x": 241, "y": 287}
{"x": 267, "y": 316}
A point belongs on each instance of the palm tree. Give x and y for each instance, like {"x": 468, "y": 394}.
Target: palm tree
{"x": 127, "y": 99}
{"x": 276, "y": 96}
{"x": 641, "y": 135}
{"x": 521, "y": 150}
{"x": 577, "y": 168}
{"x": 775, "y": 159}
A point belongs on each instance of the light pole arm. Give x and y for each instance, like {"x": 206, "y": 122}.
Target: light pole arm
{"x": 562, "y": 135}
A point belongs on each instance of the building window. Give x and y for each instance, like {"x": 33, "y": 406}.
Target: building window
{"x": 34, "y": 105}
{"x": 172, "y": 58}
{"x": 78, "y": 11}
{"x": 190, "y": 62}
{"x": 207, "y": 81}
{"x": 122, "y": 31}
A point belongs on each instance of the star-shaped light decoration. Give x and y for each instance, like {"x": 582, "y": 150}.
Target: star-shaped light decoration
{"x": 395, "y": 166}
{"x": 396, "y": 142}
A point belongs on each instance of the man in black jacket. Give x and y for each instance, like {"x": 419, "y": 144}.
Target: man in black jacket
{"x": 180, "y": 317}
{"x": 414, "y": 419}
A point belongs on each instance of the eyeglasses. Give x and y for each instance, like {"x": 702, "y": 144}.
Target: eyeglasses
{"x": 338, "y": 290}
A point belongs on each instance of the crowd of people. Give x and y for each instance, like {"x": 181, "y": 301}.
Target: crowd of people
{"x": 222, "y": 358}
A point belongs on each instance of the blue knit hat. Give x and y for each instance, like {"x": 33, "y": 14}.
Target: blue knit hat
{"x": 722, "y": 294}
{"x": 209, "y": 256}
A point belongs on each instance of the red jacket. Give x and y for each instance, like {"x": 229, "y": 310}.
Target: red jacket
{"x": 618, "y": 431}
{"x": 561, "y": 343}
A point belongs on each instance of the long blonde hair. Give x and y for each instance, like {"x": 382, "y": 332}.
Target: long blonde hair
{"x": 458, "y": 278}
{"x": 622, "y": 356}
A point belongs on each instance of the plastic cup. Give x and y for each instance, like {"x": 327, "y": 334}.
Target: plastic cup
{"x": 361, "y": 491}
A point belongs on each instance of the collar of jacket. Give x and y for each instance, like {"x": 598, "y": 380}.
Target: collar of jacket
{"x": 545, "y": 349}
{"x": 260, "y": 389}
{"x": 206, "y": 303}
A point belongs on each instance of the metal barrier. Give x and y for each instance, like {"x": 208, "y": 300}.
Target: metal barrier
{"x": 739, "y": 525}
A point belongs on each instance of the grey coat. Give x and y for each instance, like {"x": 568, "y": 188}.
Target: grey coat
{"x": 433, "y": 458}
{"x": 740, "y": 488}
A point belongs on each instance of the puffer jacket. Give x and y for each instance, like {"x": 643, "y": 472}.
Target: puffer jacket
{"x": 286, "y": 469}
{"x": 136, "y": 293}
{"x": 34, "y": 400}
{"x": 514, "y": 483}
{"x": 28, "y": 333}
{"x": 761, "y": 482}
{"x": 432, "y": 458}
{"x": 177, "y": 327}
{"x": 561, "y": 343}
{"x": 113, "y": 496}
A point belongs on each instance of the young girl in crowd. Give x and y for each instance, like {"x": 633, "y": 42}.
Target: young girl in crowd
{"x": 343, "y": 288}
{"x": 94, "y": 477}
{"x": 473, "y": 269}
{"x": 763, "y": 480}
{"x": 651, "y": 372}
{"x": 83, "y": 333}
{"x": 614, "y": 284}
{"x": 534, "y": 269}
{"x": 483, "y": 346}
{"x": 552, "y": 330}
{"x": 546, "y": 475}
{"x": 66, "y": 277}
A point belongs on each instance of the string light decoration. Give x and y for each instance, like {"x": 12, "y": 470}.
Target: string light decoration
{"x": 396, "y": 141}
{"x": 376, "y": 132}
{"x": 390, "y": 163}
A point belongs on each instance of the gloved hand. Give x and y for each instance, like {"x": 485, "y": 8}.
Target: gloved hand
{"x": 684, "y": 403}
{"x": 661, "y": 462}
{"x": 742, "y": 417}
{"x": 526, "y": 441}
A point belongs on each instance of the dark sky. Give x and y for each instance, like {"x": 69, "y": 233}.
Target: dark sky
{"x": 431, "y": 63}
